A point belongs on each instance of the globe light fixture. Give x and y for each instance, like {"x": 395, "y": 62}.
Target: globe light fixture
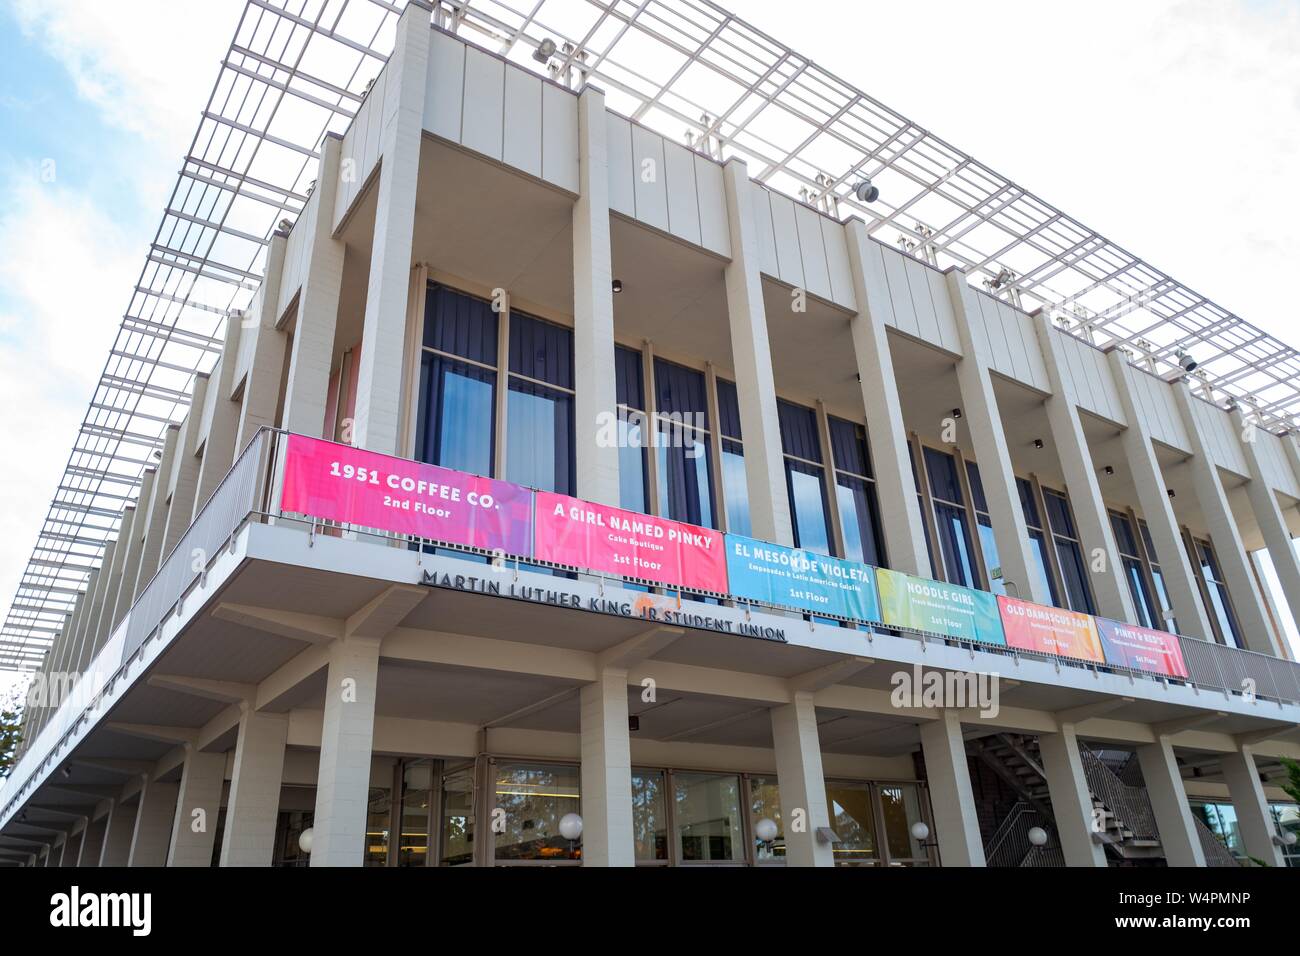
{"x": 571, "y": 826}
{"x": 1037, "y": 836}
{"x": 765, "y": 830}
{"x": 920, "y": 831}
{"x": 304, "y": 840}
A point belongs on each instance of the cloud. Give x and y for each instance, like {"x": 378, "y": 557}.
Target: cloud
{"x": 66, "y": 271}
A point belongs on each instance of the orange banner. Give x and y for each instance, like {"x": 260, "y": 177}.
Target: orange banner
{"x": 1049, "y": 630}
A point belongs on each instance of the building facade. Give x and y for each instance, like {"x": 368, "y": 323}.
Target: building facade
{"x": 498, "y": 276}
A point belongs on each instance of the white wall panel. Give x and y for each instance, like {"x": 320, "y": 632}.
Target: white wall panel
{"x": 762, "y": 204}
{"x": 560, "y": 137}
{"x": 482, "y": 118}
{"x": 522, "y": 130}
{"x": 618, "y": 145}
{"x": 715, "y": 233}
{"x": 649, "y": 181}
{"x": 785, "y": 232}
{"x": 812, "y": 251}
{"x": 837, "y": 263}
{"x": 679, "y": 183}
{"x": 446, "y": 90}
{"x": 1221, "y": 436}
{"x": 922, "y": 297}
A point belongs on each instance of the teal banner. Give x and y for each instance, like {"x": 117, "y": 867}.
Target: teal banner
{"x": 788, "y": 577}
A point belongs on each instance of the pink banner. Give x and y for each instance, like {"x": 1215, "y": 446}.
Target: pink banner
{"x": 628, "y": 544}
{"x": 1049, "y": 630}
{"x": 351, "y": 486}
{"x": 1141, "y": 648}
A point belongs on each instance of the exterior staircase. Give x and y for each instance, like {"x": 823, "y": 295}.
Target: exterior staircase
{"x": 1124, "y": 817}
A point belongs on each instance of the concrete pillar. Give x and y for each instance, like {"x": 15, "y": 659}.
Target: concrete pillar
{"x": 1263, "y": 502}
{"x": 1234, "y": 564}
{"x": 93, "y": 848}
{"x": 800, "y": 780}
{"x": 769, "y": 504}
{"x": 381, "y": 367}
{"x": 121, "y": 551}
{"x": 956, "y": 825}
{"x": 312, "y": 352}
{"x": 198, "y": 803}
{"x": 347, "y": 737}
{"x": 219, "y": 441}
{"x": 254, "y": 800}
{"x": 60, "y": 852}
{"x": 260, "y": 403}
{"x": 886, "y": 434}
{"x": 134, "y": 550}
{"x": 1071, "y": 800}
{"x": 606, "y": 772}
{"x": 119, "y": 831}
{"x": 593, "y": 309}
{"x": 72, "y": 848}
{"x": 1109, "y": 586}
{"x": 153, "y": 823}
{"x": 155, "y": 515}
{"x": 1174, "y": 819}
{"x": 183, "y": 481}
{"x": 1254, "y": 821}
{"x": 1153, "y": 499}
{"x": 980, "y": 407}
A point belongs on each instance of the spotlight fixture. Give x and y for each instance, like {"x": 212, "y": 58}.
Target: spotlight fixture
{"x": 66, "y": 771}
{"x": 1186, "y": 362}
{"x": 956, "y": 413}
{"x": 866, "y": 192}
{"x": 1169, "y": 492}
{"x": 1109, "y": 469}
{"x": 633, "y": 723}
{"x": 617, "y": 286}
{"x": 545, "y": 50}
{"x": 1038, "y": 443}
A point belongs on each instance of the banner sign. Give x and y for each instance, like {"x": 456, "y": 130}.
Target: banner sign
{"x": 351, "y": 486}
{"x": 938, "y": 608}
{"x": 1049, "y": 630}
{"x": 804, "y": 579}
{"x": 625, "y": 543}
{"x": 1141, "y": 648}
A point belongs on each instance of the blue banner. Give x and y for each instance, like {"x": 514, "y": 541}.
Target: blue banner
{"x": 801, "y": 579}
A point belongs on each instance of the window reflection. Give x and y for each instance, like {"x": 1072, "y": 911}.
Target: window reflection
{"x": 534, "y": 797}
{"x": 457, "y": 844}
{"x": 708, "y": 819}
{"x": 853, "y": 820}
{"x": 765, "y": 804}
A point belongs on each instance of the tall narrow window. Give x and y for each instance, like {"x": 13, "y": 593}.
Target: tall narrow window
{"x": 1037, "y": 541}
{"x": 984, "y": 525}
{"x": 457, "y": 401}
{"x": 1148, "y": 615}
{"x": 855, "y": 492}
{"x": 1069, "y": 551}
{"x": 1224, "y": 618}
{"x": 633, "y": 491}
{"x": 539, "y": 408}
{"x": 804, "y": 478}
{"x": 1157, "y": 578}
{"x": 735, "y": 487}
{"x": 950, "y": 519}
{"x": 920, "y": 500}
{"x": 682, "y": 440}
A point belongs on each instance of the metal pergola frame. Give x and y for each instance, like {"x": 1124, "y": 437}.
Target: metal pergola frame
{"x": 297, "y": 69}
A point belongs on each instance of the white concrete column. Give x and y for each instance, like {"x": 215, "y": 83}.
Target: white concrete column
{"x": 1071, "y": 800}
{"x": 1153, "y": 499}
{"x": 72, "y": 848}
{"x": 980, "y": 412}
{"x": 254, "y": 800}
{"x": 606, "y": 772}
{"x": 595, "y": 396}
{"x": 119, "y": 831}
{"x": 900, "y": 512}
{"x": 155, "y": 515}
{"x": 219, "y": 443}
{"x": 183, "y": 481}
{"x": 198, "y": 803}
{"x": 1109, "y": 586}
{"x": 800, "y": 780}
{"x": 347, "y": 737}
{"x": 262, "y": 379}
{"x": 134, "y": 549}
{"x": 312, "y": 353}
{"x": 957, "y": 828}
{"x": 1254, "y": 821}
{"x": 1263, "y": 502}
{"x": 93, "y": 847}
{"x": 1234, "y": 564}
{"x": 153, "y": 823}
{"x": 102, "y": 626}
{"x": 1174, "y": 820}
{"x": 769, "y": 504}
{"x": 379, "y": 373}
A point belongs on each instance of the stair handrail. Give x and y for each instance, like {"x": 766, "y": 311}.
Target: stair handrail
{"x": 1130, "y": 805}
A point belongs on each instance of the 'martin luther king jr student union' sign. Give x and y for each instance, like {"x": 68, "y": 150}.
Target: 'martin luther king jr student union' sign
{"x": 804, "y": 579}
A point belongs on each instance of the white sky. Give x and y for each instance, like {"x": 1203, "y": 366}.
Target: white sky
{"x": 1171, "y": 126}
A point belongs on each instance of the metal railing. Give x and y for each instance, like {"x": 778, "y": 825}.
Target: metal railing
{"x": 1215, "y": 850}
{"x": 1130, "y": 805}
{"x": 1010, "y": 846}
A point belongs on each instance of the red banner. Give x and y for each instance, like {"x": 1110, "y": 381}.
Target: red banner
{"x": 1141, "y": 648}
{"x": 627, "y": 544}
{"x": 369, "y": 490}
{"x": 1049, "y": 630}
